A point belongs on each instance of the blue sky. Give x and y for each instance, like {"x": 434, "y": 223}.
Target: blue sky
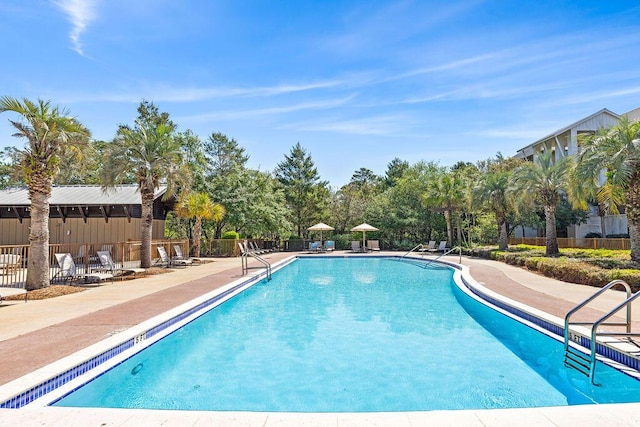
{"x": 357, "y": 83}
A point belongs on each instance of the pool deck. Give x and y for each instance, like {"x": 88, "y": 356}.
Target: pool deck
{"x": 37, "y": 333}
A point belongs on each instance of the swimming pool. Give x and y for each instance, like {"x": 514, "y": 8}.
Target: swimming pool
{"x": 351, "y": 335}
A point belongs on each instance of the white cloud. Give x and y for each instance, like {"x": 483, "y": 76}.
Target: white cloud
{"x": 80, "y": 13}
{"x": 261, "y": 112}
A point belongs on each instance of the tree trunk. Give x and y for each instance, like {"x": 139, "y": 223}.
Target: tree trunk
{"x": 632, "y": 198}
{"x": 503, "y": 235}
{"x": 447, "y": 218}
{"x": 147, "y": 228}
{"x": 552, "y": 239}
{"x": 197, "y": 236}
{"x": 38, "y": 263}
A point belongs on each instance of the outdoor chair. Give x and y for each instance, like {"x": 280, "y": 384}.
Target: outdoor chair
{"x": 373, "y": 245}
{"x": 168, "y": 262}
{"x": 329, "y": 245}
{"x": 431, "y": 247}
{"x": 313, "y": 247}
{"x": 179, "y": 255}
{"x": 68, "y": 271}
{"x": 6, "y": 291}
{"x": 9, "y": 263}
{"x": 355, "y": 246}
{"x": 107, "y": 264}
{"x": 253, "y": 247}
{"x": 442, "y": 247}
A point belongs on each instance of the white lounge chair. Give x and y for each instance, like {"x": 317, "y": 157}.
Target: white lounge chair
{"x": 6, "y": 291}
{"x": 109, "y": 266}
{"x": 68, "y": 271}
{"x": 442, "y": 247}
{"x": 253, "y": 247}
{"x": 9, "y": 263}
{"x": 168, "y": 262}
{"x": 431, "y": 247}
{"x": 373, "y": 245}
{"x": 355, "y": 246}
{"x": 179, "y": 255}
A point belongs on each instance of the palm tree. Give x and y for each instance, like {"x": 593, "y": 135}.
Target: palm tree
{"x": 446, "y": 193}
{"x": 52, "y": 136}
{"x": 199, "y": 206}
{"x": 616, "y": 152}
{"x": 149, "y": 155}
{"x": 544, "y": 181}
{"x": 491, "y": 191}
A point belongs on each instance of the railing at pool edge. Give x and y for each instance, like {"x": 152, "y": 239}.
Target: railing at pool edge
{"x": 245, "y": 253}
{"x": 420, "y": 245}
{"x": 587, "y": 364}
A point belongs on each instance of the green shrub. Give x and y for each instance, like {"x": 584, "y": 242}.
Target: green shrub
{"x": 230, "y": 235}
{"x": 593, "y": 267}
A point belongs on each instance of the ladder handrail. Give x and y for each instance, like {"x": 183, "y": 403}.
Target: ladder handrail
{"x": 459, "y": 248}
{"x": 594, "y": 326}
{"x": 598, "y": 322}
{"x": 587, "y": 301}
{"x": 419, "y": 245}
{"x": 245, "y": 252}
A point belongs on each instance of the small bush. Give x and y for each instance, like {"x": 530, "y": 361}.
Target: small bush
{"x": 593, "y": 267}
{"x": 618, "y": 236}
{"x": 230, "y": 235}
{"x": 593, "y": 235}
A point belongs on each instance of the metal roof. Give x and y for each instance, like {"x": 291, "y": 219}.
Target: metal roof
{"x": 85, "y": 195}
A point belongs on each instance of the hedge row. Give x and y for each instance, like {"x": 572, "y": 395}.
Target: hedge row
{"x": 563, "y": 268}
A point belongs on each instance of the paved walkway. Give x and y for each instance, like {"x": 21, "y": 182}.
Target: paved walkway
{"x": 37, "y": 333}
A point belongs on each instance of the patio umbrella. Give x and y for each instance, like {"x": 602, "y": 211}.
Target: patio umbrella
{"x": 364, "y": 227}
{"x": 321, "y": 226}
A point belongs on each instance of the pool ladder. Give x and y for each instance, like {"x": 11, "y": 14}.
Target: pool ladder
{"x": 586, "y": 363}
{"x": 425, "y": 265}
{"x": 245, "y": 253}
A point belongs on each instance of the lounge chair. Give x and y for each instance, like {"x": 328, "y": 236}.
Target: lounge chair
{"x": 253, "y": 247}
{"x": 168, "y": 262}
{"x": 313, "y": 247}
{"x": 68, "y": 271}
{"x": 179, "y": 255}
{"x": 264, "y": 250}
{"x": 355, "y": 246}
{"x": 109, "y": 266}
{"x": 329, "y": 245}
{"x": 373, "y": 245}
{"x": 6, "y": 291}
{"x": 442, "y": 247}
{"x": 9, "y": 263}
{"x": 431, "y": 247}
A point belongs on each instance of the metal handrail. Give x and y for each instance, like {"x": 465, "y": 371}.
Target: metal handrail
{"x": 594, "y": 326}
{"x": 244, "y": 253}
{"x": 419, "y": 245}
{"x": 588, "y": 300}
{"x": 597, "y": 323}
{"x": 459, "y": 248}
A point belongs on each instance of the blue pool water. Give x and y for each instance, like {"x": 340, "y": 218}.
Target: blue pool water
{"x": 351, "y": 335}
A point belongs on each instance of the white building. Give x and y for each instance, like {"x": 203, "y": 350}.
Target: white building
{"x": 564, "y": 142}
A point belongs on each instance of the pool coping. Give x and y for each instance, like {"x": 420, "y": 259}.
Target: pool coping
{"x": 139, "y": 334}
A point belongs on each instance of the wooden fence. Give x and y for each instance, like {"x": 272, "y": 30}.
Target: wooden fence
{"x": 587, "y": 243}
